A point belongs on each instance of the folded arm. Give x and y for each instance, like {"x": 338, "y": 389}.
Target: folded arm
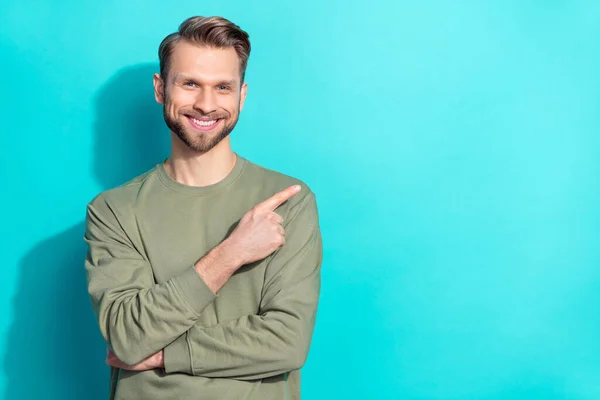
{"x": 137, "y": 317}
{"x": 276, "y": 340}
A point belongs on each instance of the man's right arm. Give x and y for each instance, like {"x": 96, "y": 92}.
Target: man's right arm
{"x": 137, "y": 317}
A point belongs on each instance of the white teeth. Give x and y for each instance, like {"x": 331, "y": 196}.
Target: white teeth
{"x": 204, "y": 123}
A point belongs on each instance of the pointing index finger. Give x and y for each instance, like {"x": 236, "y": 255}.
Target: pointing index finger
{"x": 276, "y": 200}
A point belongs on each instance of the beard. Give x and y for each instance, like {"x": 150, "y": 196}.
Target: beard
{"x": 199, "y": 142}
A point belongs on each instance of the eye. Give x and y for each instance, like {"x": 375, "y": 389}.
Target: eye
{"x": 223, "y": 87}
{"x": 189, "y": 84}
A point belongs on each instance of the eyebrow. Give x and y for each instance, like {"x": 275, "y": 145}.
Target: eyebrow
{"x": 180, "y": 76}
{"x": 229, "y": 82}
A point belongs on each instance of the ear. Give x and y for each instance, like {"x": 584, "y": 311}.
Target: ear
{"x": 159, "y": 89}
{"x": 243, "y": 95}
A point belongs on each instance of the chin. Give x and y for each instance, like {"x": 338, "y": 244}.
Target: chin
{"x": 202, "y": 141}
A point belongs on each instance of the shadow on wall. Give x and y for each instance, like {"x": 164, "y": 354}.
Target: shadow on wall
{"x": 54, "y": 346}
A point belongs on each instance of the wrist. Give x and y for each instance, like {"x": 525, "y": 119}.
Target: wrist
{"x": 160, "y": 359}
{"x": 217, "y": 266}
{"x": 228, "y": 256}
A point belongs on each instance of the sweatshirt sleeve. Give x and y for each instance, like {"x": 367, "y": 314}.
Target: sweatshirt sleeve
{"x": 137, "y": 316}
{"x": 276, "y": 340}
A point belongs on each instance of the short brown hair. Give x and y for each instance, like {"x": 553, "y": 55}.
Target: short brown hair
{"x": 215, "y": 32}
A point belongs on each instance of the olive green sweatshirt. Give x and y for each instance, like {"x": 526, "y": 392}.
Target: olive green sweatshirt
{"x": 250, "y": 339}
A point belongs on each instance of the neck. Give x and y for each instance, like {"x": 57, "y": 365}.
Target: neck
{"x": 200, "y": 169}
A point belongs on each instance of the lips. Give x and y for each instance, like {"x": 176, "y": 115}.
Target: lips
{"x": 203, "y": 124}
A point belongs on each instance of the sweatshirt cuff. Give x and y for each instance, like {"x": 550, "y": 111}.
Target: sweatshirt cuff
{"x": 177, "y": 357}
{"x": 194, "y": 290}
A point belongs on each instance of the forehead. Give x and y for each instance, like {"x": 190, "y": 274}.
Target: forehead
{"x": 204, "y": 62}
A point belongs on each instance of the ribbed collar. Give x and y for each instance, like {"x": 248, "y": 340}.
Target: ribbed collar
{"x": 171, "y": 183}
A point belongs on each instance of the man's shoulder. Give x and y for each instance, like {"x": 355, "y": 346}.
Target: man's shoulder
{"x": 122, "y": 195}
{"x": 272, "y": 181}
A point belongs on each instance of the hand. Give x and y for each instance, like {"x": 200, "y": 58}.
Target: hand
{"x": 260, "y": 232}
{"x": 156, "y": 360}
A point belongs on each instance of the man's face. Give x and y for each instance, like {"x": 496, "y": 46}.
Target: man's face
{"x": 201, "y": 95}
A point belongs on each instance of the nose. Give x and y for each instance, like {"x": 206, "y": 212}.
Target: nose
{"x": 205, "y": 102}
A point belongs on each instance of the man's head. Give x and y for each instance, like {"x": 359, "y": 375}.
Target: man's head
{"x": 201, "y": 81}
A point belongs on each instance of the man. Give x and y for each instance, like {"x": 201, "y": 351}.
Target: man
{"x": 204, "y": 272}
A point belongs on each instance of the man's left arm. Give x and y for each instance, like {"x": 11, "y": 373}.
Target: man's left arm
{"x": 276, "y": 340}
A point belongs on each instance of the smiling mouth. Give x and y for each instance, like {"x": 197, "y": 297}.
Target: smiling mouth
{"x": 203, "y": 124}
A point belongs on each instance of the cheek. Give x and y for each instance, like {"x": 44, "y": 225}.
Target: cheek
{"x": 232, "y": 105}
{"x": 169, "y": 106}
{"x": 178, "y": 99}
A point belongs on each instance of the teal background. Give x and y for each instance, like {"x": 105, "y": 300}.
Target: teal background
{"x": 453, "y": 147}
